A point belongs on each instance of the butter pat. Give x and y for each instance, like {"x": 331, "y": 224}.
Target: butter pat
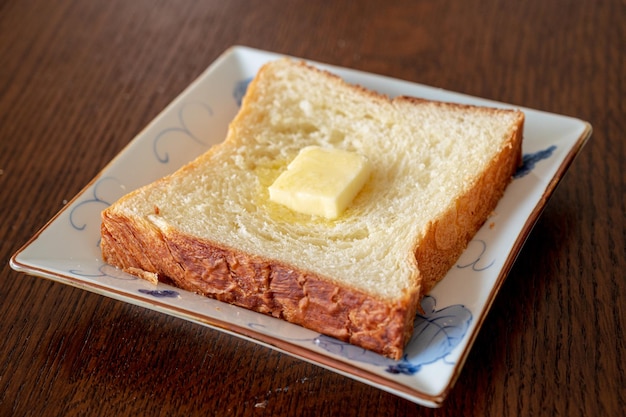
{"x": 321, "y": 181}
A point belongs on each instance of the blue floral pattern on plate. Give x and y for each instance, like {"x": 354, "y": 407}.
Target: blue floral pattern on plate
{"x": 436, "y": 333}
{"x": 531, "y": 159}
{"x": 160, "y": 293}
{"x": 182, "y": 128}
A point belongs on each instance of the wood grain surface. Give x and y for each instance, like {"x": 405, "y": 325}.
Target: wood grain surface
{"x": 80, "y": 78}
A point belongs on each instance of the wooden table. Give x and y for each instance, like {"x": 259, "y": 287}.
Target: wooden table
{"x": 79, "y": 79}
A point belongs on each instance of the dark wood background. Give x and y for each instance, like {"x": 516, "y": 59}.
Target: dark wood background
{"x": 80, "y": 78}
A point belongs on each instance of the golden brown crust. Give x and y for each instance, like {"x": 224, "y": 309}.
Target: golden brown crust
{"x": 259, "y": 284}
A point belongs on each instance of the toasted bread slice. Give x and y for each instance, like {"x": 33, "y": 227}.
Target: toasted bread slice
{"x": 438, "y": 171}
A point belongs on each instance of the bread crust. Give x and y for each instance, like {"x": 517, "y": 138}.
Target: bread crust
{"x": 155, "y": 251}
{"x": 259, "y": 284}
{"x": 447, "y": 237}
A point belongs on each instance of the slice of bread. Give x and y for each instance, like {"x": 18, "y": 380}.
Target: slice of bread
{"x": 438, "y": 171}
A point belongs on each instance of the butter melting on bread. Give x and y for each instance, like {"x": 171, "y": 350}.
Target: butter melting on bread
{"x": 321, "y": 181}
{"x": 437, "y": 172}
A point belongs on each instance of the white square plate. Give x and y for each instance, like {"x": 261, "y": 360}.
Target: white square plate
{"x": 197, "y": 119}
